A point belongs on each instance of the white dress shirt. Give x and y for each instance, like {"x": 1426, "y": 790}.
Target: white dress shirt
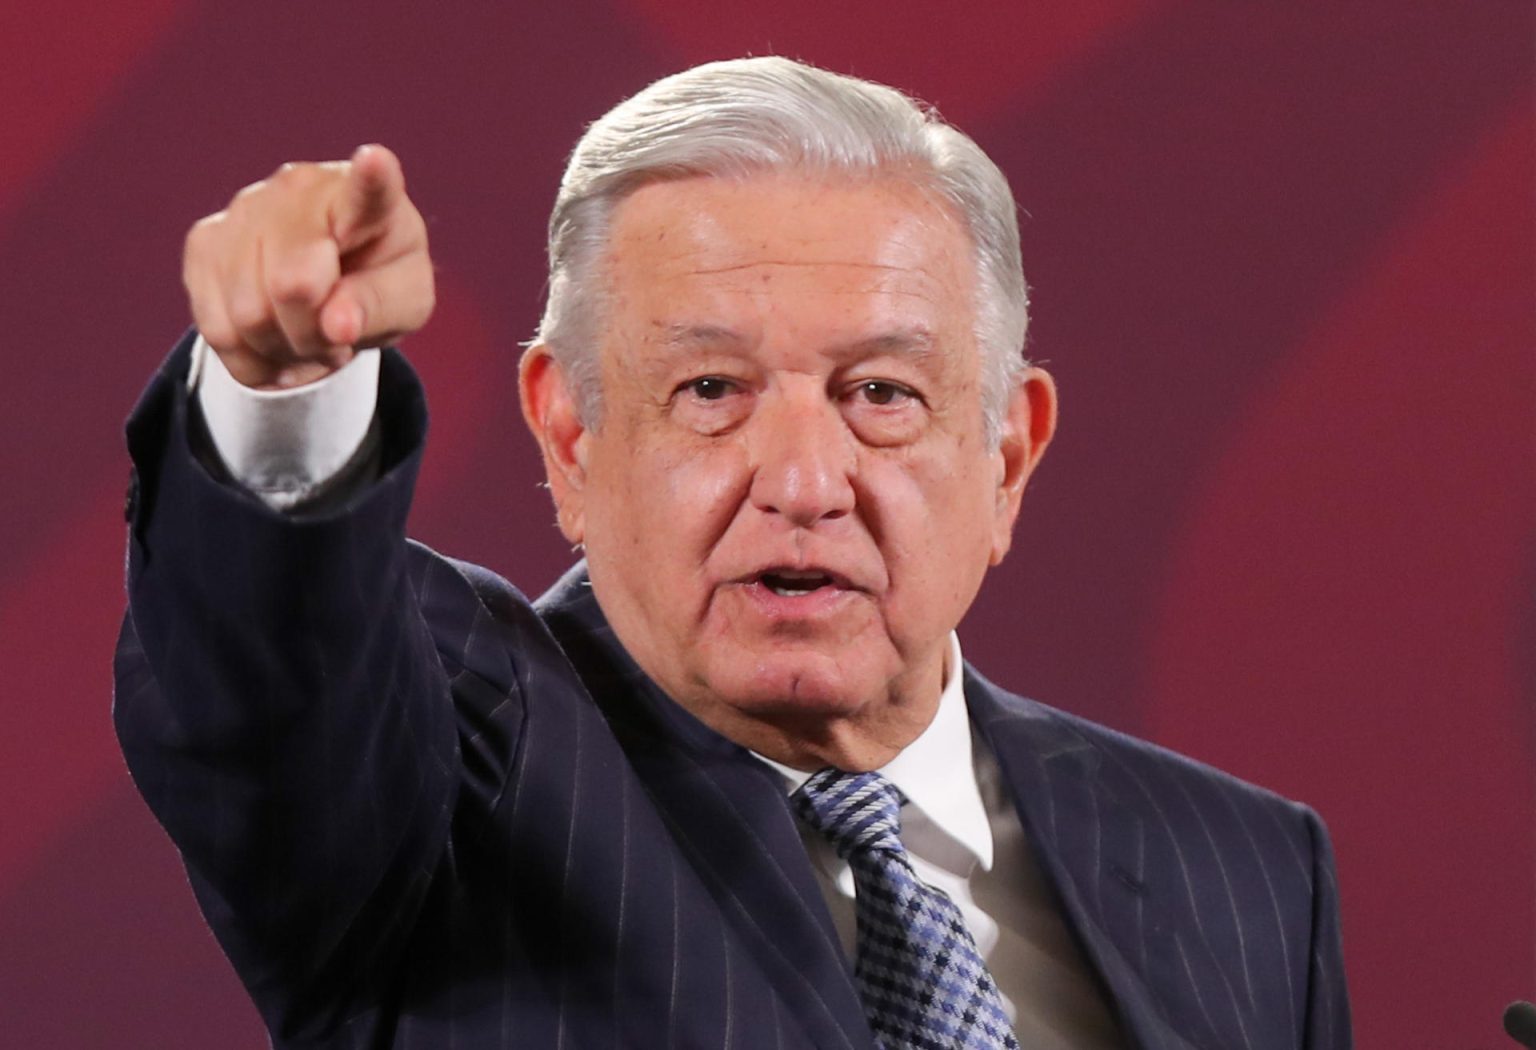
{"x": 311, "y": 445}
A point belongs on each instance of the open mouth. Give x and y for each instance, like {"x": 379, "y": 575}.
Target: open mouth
{"x": 791, "y": 583}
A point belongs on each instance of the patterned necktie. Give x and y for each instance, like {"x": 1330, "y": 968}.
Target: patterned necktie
{"x": 924, "y": 984}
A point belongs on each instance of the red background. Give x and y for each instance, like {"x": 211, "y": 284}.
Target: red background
{"x": 1283, "y": 264}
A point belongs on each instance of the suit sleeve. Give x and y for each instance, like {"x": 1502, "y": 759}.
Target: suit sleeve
{"x": 283, "y": 710}
{"x": 1327, "y": 1017}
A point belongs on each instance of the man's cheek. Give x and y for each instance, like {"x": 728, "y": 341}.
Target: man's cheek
{"x": 703, "y": 492}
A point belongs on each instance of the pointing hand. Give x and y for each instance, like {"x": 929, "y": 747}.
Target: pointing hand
{"x": 306, "y": 266}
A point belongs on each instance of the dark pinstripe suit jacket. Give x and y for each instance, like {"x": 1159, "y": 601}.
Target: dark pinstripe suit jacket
{"x": 420, "y": 812}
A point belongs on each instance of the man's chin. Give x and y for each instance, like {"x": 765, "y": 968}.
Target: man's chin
{"x": 797, "y": 689}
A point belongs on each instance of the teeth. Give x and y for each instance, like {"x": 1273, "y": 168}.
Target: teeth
{"x": 794, "y": 584}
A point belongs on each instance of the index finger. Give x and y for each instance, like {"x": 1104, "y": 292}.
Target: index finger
{"x": 375, "y": 184}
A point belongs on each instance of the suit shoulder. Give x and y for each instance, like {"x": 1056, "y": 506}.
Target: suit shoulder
{"x": 479, "y": 621}
{"x": 1147, "y": 763}
{"x": 463, "y": 581}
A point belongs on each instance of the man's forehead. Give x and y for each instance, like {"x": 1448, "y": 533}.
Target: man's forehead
{"x": 786, "y": 264}
{"x": 791, "y": 201}
{"x": 803, "y": 236}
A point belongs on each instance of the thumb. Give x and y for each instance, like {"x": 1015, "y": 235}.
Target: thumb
{"x": 342, "y": 319}
{"x": 375, "y": 306}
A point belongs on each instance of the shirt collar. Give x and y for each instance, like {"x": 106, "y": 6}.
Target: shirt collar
{"x": 944, "y": 819}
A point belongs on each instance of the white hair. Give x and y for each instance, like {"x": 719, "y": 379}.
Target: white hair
{"x": 752, "y": 115}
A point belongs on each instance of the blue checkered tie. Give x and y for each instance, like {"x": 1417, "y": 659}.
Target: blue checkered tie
{"x": 924, "y": 984}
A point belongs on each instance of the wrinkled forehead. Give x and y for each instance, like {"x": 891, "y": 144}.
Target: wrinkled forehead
{"x": 800, "y": 188}
{"x": 880, "y": 257}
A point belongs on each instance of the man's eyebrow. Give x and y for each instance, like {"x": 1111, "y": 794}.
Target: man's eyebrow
{"x": 690, "y": 335}
{"x": 916, "y": 341}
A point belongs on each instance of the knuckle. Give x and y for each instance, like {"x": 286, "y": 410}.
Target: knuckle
{"x": 288, "y": 179}
{"x": 245, "y": 194}
{"x": 248, "y": 313}
{"x": 213, "y": 327}
{"x": 208, "y": 225}
{"x": 218, "y": 334}
{"x": 196, "y": 285}
{"x": 191, "y": 272}
{"x": 201, "y": 233}
{"x": 296, "y": 285}
{"x": 292, "y": 173}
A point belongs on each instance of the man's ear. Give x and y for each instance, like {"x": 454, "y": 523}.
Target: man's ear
{"x": 549, "y": 408}
{"x": 1028, "y": 426}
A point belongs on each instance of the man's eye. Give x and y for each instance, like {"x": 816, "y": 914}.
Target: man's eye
{"x": 708, "y": 388}
{"x": 882, "y": 392}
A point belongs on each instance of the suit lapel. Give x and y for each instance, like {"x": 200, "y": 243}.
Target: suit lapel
{"x": 729, "y": 815}
{"x": 1093, "y": 849}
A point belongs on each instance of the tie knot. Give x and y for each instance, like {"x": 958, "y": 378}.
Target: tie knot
{"x": 856, "y": 812}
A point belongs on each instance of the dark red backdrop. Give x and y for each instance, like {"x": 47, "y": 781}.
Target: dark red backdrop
{"x": 1283, "y": 265}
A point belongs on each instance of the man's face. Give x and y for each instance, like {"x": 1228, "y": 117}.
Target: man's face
{"x": 789, "y": 501}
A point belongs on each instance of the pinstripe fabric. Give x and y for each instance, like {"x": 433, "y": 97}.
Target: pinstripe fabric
{"x": 1208, "y": 905}
{"x": 419, "y": 812}
{"x": 924, "y": 984}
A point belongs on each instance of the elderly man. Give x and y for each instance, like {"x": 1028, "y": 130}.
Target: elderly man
{"x": 730, "y": 783}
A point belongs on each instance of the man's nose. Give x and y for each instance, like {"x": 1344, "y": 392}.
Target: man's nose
{"x": 803, "y": 459}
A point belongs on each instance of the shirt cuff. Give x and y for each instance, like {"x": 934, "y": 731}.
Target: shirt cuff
{"x": 288, "y": 447}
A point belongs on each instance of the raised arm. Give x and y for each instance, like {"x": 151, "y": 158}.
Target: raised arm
{"x": 280, "y": 700}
